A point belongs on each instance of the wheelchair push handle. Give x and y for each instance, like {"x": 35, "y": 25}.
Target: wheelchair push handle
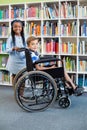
{"x": 23, "y": 49}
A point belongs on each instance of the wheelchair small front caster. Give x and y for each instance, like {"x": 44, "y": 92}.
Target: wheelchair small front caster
{"x": 64, "y": 102}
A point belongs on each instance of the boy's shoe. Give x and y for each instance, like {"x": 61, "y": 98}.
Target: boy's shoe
{"x": 78, "y": 91}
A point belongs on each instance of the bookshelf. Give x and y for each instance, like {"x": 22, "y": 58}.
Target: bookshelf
{"x": 60, "y": 25}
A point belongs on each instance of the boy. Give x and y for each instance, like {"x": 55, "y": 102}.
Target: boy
{"x": 33, "y": 44}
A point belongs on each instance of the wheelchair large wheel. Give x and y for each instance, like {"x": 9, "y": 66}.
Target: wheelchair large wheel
{"x": 19, "y": 74}
{"x": 35, "y": 91}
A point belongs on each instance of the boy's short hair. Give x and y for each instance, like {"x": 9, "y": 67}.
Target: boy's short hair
{"x": 31, "y": 38}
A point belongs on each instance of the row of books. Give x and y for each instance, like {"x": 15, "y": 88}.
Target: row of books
{"x": 82, "y": 11}
{"x": 53, "y": 28}
{"x": 2, "y": 46}
{"x": 50, "y": 11}
{"x": 50, "y": 28}
{"x": 82, "y": 81}
{"x": 34, "y": 29}
{"x": 68, "y": 10}
{"x": 82, "y": 47}
{"x": 83, "y": 29}
{"x": 51, "y": 46}
{"x": 4, "y": 30}
{"x": 4, "y": 13}
{"x": 33, "y": 12}
{"x": 82, "y": 65}
{"x": 69, "y": 29}
{"x": 17, "y": 12}
{"x": 68, "y": 48}
{"x": 70, "y": 63}
{"x": 4, "y": 77}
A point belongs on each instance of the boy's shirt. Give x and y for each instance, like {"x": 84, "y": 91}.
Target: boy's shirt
{"x": 34, "y": 56}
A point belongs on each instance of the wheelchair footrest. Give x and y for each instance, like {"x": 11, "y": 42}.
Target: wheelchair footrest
{"x": 69, "y": 91}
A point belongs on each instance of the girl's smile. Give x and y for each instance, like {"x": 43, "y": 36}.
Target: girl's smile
{"x": 17, "y": 28}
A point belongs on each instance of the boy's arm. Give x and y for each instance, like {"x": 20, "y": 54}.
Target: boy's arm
{"x": 38, "y": 67}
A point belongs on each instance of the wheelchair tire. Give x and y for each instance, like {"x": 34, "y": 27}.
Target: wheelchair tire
{"x": 64, "y": 102}
{"x": 19, "y": 74}
{"x": 41, "y": 91}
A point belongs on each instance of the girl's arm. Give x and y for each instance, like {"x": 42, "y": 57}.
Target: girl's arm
{"x": 9, "y": 45}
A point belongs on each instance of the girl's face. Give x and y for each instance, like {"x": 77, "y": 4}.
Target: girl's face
{"x": 17, "y": 28}
{"x": 33, "y": 45}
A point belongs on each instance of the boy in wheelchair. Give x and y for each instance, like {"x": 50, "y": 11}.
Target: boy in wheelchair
{"x": 33, "y": 44}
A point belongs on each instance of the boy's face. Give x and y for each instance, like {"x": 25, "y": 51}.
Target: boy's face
{"x": 17, "y": 28}
{"x": 33, "y": 45}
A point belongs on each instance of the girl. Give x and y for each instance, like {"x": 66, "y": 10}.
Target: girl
{"x": 15, "y": 41}
{"x": 32, "y": 43}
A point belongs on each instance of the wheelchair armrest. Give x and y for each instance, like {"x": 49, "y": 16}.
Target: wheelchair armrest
{"x": 43, "y": 60}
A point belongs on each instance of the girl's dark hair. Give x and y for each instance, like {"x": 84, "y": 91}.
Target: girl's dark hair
{"x": 13, "y": 33}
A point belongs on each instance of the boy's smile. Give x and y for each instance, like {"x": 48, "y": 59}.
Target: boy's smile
{"x": 34, "y": 45}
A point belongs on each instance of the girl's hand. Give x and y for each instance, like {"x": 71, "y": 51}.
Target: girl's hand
{"x": 16, "y": 49}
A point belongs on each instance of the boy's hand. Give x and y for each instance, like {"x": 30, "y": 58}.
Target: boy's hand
{"x": 53, "y": 66}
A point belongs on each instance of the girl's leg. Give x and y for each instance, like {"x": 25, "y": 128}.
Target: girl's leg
{"x": 13, "y": 76}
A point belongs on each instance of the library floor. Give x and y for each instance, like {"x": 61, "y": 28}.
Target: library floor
{"x": 12, "y": 117}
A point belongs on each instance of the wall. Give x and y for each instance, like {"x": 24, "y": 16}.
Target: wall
{"x": 19, "y": 1}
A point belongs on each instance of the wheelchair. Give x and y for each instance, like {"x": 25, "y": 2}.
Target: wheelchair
{"x": 37, "y": 90}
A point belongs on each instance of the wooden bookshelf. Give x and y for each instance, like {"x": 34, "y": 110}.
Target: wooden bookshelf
{"x": 60, "y": 25}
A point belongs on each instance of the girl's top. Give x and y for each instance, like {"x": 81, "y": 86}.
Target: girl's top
{"x": 16, "y": 60}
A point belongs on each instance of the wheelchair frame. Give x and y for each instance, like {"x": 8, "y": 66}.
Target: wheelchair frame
{"x": 37, "y": 90}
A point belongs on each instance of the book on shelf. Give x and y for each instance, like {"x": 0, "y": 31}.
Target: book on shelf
{"x": 33, "y": 12}
{"x": 68, "y": 48}
{"x": 4, "y": 77}
{"x": 85, "y": 81}
{"x": 17, "y": 12}
{"x": 4, "y": 13}
{"x": 50, "y": 11}
{"x": 3, "y": 61}
{"x": 82, "y": 65}
{"x": 2, "y": 46}
{"x": 50, "y": 28}
{"x": 69, "y": 29}
{"x": 83, "y": 11}
{"x": 80, "y": 80}
{"x": 52, "y": 46}
{"x": 83, "y": 29}
{"x": 4, "y": 30}
{"x": 68, "y": 10}
{"x": 70, "y": 64}
{"x": 82, "y": 47}
{"x": 33, "y": 29}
